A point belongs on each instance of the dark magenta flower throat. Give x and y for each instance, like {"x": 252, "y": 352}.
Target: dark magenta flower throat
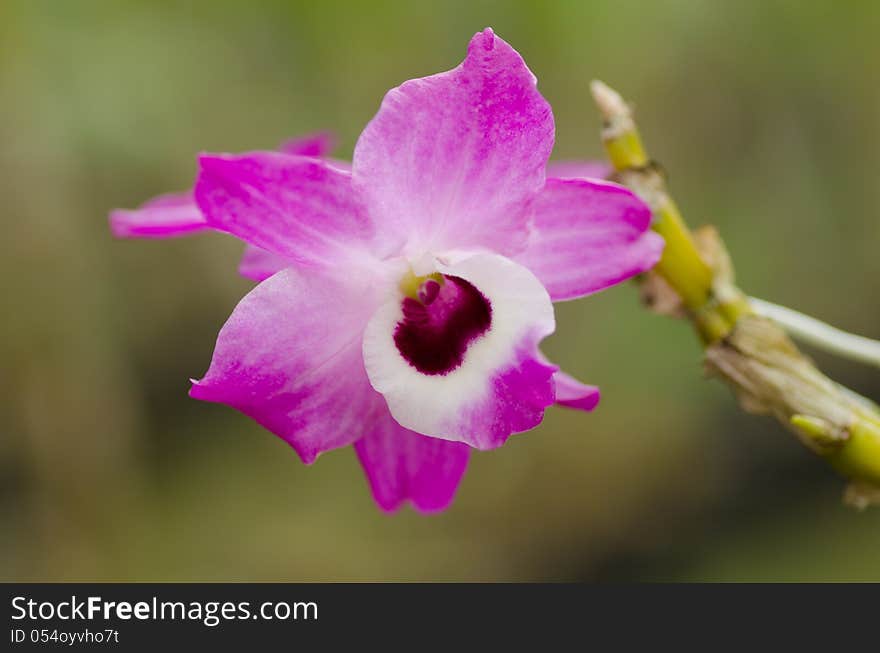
{"x": 439, "y": 326}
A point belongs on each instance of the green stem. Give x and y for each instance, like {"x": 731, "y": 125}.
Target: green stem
{"x": 681, "y": 264}
{"x": 750, "y": 352}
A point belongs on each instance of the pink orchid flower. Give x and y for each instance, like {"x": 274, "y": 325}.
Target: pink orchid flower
{"x": 402, "y": 300}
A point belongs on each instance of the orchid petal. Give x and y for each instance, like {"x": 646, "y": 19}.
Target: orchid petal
{"x": 498, "y": 387}
{"x": 587, "y": 236}
{"x": 453, "y": 160}
{"x": 258, "y": 264}
{"x": 402, "y": 465}
{"x": 318, "y": 145}
{"x": 166, "y": 216}
{"x": 290, "y": 357}
{"x": 177, "y": 214}
{"x": 579, "y": 170}
{"x": 300, "y": 208}
{"x": 571, "y": 393}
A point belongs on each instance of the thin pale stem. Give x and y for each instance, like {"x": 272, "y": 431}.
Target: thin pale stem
{"x": 819, "y": 334}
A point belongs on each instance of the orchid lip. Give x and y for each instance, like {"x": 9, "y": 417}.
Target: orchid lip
{"x": 440, "y": 323}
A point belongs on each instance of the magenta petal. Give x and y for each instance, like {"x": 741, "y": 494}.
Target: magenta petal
{"x": 258, "y": 264}
{"x": 175, "y": 214}
{"x": 290, "y": 357}
{"x": 297, "y": 207}
{"x": 403, "y": 465}
{"x": 588, "y": 235}
{"x": 520, "y": 393}
{"x": 317, "y": 145}
{"x": 453, "y": 160}
{"x": 579, "y": 170}
{"x": 571, "y": 393}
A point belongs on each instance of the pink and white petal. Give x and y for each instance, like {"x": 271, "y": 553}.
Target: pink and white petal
{"x": 499, "y": 387}
{"x": 571, "y": 393}
{"x": 290, "y": 358}
{"x": 319, "y": 144}
{"x": 166, "y": 216}
{"x": 259, "y": 264}
{"x": 404, "y": 466}
{"x": 300, "y": 208}
{"x": 453, "y": 160}
{"x": 588, "y": 235}
{"x": 339, "y": 164}
{"x": 579, "y": 170}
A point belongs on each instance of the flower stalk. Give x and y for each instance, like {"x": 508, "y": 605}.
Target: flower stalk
{"x": 743, "y": 346}
{"x": 818, "y": 334}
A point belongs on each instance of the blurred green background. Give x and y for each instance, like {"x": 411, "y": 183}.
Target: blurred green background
{"x": 767, "y": 117}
